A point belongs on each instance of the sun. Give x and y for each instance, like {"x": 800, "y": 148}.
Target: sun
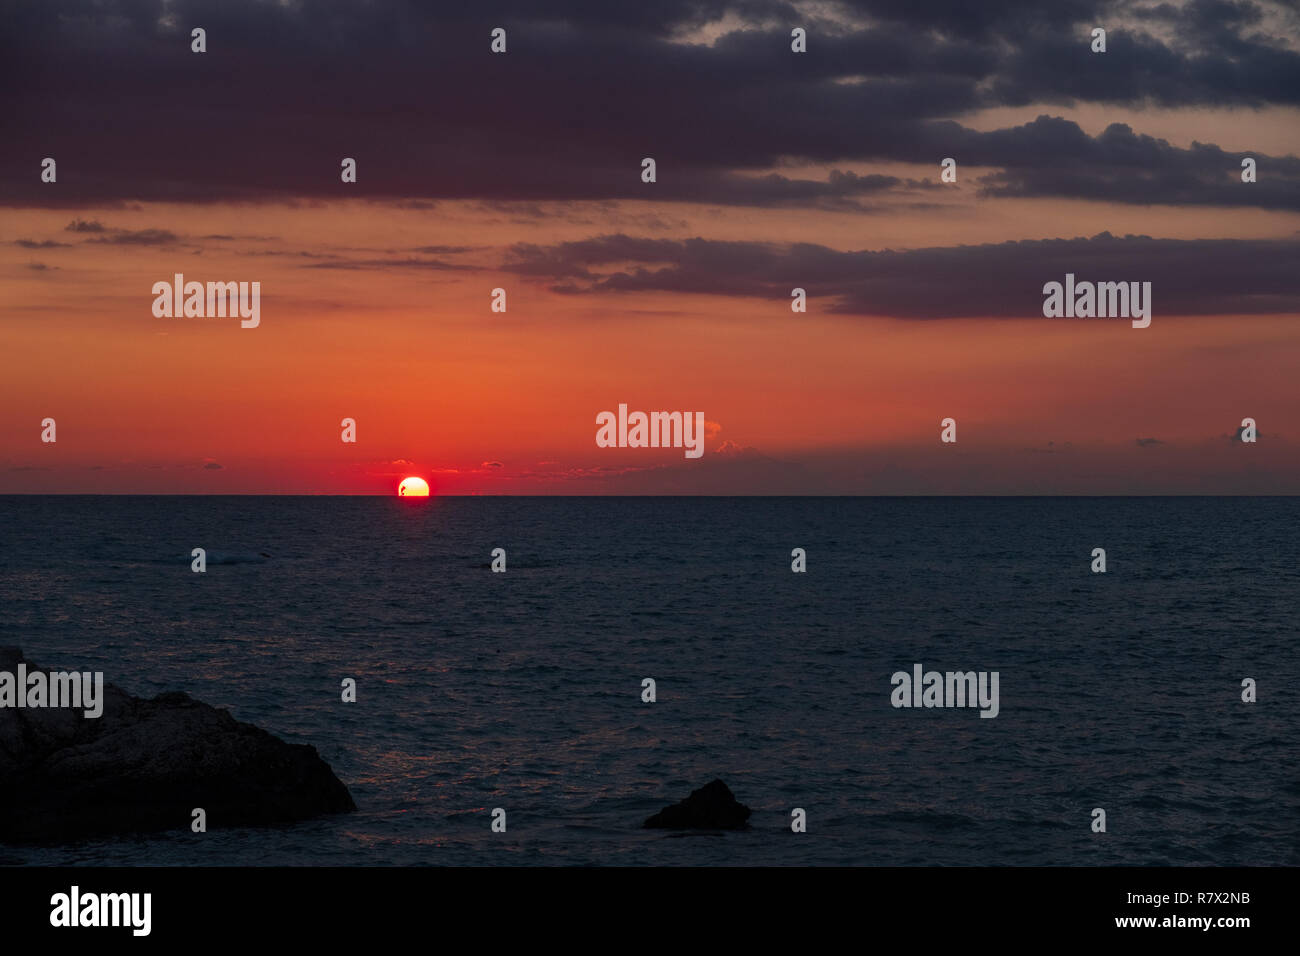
{"x": 413, "y": 487}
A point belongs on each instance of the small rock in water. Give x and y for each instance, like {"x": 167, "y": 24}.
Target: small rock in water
{"x": 712, "y": 807}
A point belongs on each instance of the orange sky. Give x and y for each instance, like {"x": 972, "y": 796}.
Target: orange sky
{"x": 435, "y": 379}
{"x": 479, "y": 402}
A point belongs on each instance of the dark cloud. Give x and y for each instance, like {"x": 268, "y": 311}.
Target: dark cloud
{"x": 1121, "y": 166}
{"x": 589, "y": 88}
{"x": 43, "y": 244}
{"x": 1148, "y": 442}
{"x": 436, "y": 265}
{"x": 998, "y": 18}
{"x": 492, "y": 464}
{"x": 1188, "y": 277}
{"x": 118, "y": 237}
{"x": 1221, "y": 68}
{"x": 138, "y": 237}
{"x": 212, "y": 466}
{"x": 293, "y": 253}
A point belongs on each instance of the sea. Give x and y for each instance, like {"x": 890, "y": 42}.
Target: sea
{"x": 523, "y": 690}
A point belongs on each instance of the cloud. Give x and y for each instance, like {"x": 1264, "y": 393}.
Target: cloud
{"x": 1148, "y": 442}
{"x": 1118, "y": 165}
{"x": 43, "y": 244}
{"x": 881, "y": 82}
{"x": 212, "y": 466}
{"x": 492, "y": 464}
{"x": 1188, "y": 276}
{"x": 1204, "y": 52}
{"x": 138, "y": 237}
{"x": 302, "y": 254}
{"x": 731, "y": 449}
{"x": 436, "y": 265}
{"x": 443, "y": 250}
{"x": 117, "y": 237}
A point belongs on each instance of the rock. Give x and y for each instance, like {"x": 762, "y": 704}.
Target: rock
{"x": 712, "y": 807}
{"x": 145, "y": 765}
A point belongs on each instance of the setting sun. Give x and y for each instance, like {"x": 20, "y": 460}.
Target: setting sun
{"x": 413, "y": 488}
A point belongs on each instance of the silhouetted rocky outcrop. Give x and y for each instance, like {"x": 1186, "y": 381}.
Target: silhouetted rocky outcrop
{"x": 145, "y": 765}
{"x": 712, "y": 807}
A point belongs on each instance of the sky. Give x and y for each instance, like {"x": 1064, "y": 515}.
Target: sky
{"x": 774, "y": 170}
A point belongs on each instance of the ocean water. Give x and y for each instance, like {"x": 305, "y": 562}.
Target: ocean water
{"x": 523, "y": 690}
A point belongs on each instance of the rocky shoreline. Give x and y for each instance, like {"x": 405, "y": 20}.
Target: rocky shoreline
{"x": 145, "y": 765}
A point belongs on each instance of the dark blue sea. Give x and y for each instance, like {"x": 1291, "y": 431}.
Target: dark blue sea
{"x": 522, "y": 690}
